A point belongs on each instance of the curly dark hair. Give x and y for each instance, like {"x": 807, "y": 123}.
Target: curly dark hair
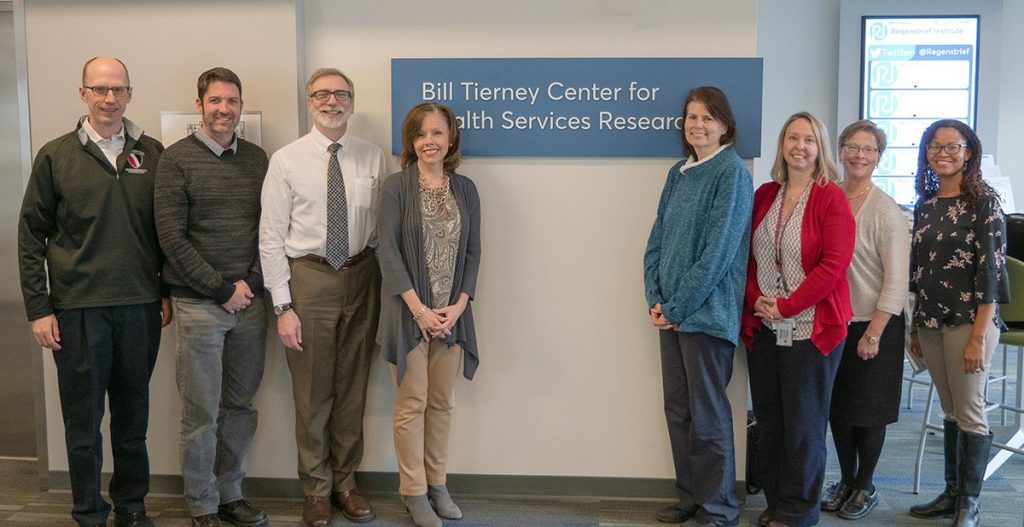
{"x": 972, "y": 186}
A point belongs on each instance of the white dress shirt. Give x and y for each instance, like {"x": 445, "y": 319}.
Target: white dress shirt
{"x": 112, "y": 147}
{"x": 294, "y": 218}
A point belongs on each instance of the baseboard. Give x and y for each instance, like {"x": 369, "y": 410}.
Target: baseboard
{"x": 386, "y": 483}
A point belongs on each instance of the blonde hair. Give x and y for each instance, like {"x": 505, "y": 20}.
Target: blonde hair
{"x": 825, "y": 166}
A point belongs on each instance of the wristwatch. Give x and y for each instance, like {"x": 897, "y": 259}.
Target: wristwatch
{"x": 281, "y": 308}
{"x": 871, "y": 340}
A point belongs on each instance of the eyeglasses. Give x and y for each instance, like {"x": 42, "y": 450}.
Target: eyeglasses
{"x": 323, "y": 95}
{"x": 951, "y": 148}
{"x": 853, "y": 149}
{"x": 101, "y": 91}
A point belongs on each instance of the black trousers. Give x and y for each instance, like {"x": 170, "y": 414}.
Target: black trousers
{"x": 791, "y": 389}
{"x": 695, "y": 370}
{"x": 107, "y": 353}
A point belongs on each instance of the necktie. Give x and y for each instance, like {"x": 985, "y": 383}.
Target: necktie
{"x": 336, "y": 246}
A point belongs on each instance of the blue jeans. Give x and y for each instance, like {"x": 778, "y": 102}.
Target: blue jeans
{"x": 220, "y": 360}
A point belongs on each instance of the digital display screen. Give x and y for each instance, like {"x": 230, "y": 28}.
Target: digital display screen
{"x": 915, "y": 70}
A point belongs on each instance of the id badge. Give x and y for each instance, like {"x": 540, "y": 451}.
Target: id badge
{"x": 784, "y": 332}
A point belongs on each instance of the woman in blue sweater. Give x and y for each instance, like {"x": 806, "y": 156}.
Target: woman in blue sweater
{"x": 694, "y": 275}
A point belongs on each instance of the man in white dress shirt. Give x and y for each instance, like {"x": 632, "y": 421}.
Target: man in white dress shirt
{"x": 317, "y": 239}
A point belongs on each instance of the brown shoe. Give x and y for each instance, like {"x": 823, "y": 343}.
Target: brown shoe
{"x": 316, "y": 511}
{"x": 353, "y": 506}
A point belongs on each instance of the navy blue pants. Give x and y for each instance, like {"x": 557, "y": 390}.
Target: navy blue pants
{"x": 107, "y": 353}
{"x": 791, "y": 388}
{"x": 695, "y": 370}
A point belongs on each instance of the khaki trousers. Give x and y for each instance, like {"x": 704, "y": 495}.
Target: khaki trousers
{"x": 962, "y": 395}
{"x": 338, "y": 311}
{"x": 423, "y": 411}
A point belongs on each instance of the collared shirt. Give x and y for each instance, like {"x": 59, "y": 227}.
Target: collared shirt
{"x": 214, "y": 146}
{"x": 112, "y": 147}
{"x": 294, "y": 218}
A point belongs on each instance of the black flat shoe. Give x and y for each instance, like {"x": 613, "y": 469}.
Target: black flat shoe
{"x": 675, "y": 513}
{"x": 835, "y": 496}
{"x": 861, "y": 502}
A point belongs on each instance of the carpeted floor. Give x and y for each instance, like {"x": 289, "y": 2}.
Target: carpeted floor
{"x": 23, "y": 505}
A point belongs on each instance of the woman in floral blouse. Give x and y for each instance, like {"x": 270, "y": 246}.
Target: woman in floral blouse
{"x": 957, "y": 265}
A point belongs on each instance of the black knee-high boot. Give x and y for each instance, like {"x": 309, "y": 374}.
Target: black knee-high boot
{"x": 944, "y": 505}
{"x": 973, "y": 456}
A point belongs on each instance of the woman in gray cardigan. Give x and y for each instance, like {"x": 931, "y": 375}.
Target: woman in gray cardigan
{"x": 429, "y": 252}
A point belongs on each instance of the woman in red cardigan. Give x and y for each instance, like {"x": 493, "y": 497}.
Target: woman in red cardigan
{"x": 796, "y": 308}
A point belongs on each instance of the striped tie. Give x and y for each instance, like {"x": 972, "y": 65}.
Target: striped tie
{"x": 336, "y": 245}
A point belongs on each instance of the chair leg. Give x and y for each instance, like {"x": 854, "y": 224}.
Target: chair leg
{"x": 921, "y": 440}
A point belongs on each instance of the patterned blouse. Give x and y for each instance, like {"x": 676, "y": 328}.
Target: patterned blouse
{"x": 957, "y": 259}
{"x": 781, "y": 285}
{"x": 442, "y": 225}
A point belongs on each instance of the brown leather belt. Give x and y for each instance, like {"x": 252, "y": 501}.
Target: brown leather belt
{"x": 349, "y": 263}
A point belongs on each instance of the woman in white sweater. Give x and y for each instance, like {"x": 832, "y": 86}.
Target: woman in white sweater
{"x": 866, "y": 394}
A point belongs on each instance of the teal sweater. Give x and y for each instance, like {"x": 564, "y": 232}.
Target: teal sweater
{"x": 696, "y": 259}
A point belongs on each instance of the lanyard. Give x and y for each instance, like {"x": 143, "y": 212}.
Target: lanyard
{"x": 780, "y": 226}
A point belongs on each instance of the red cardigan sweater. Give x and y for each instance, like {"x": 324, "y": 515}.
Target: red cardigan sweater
{"x": 827, "y": 237}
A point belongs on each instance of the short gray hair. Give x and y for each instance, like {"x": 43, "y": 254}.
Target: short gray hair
{"x": 329, "y": 72}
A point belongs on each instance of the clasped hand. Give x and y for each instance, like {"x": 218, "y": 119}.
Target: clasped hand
{"x": 440, "y": 321}
{"x": 767, "y": 308}
{"x": 659, "y": 320}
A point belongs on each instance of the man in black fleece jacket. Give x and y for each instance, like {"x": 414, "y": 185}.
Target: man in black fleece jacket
{"x": 86, "y": 224}
{"x": 207, "y": 202}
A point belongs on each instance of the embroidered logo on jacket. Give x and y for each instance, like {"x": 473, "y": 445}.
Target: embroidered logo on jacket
{"x": 135, "y": 158}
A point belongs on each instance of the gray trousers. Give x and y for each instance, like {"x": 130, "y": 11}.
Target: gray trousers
{"x": 219, "y": 368}
{"x": 695, "y": 370}
{"x": 961, "y": 394}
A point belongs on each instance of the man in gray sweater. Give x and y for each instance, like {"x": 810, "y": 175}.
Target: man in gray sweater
{"x": 207, "y": 206}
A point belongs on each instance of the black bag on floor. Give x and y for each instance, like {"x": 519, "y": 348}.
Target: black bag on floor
{"x": 752, "y": 477}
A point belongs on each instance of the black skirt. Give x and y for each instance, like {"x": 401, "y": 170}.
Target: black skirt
{"x": 867, "y": 392}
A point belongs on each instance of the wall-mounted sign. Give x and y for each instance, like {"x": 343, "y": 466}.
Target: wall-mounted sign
{"x": 916, "y": 70}
{"x": 588, "y": 107}
{"x": 175, "y": 126}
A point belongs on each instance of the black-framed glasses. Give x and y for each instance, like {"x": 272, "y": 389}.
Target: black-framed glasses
{"x": 101, "y": 91}
{"x": 323, "y": 95}
{"x": 853, "y": 149}
{"x": 951, "y": 148}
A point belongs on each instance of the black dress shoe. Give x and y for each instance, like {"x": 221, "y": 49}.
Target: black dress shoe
{"x": 243, "y": 514}
{"x": 835, "y": 495}
{"x": 206, "y": 520}
{"x": 766, "y": 517}
{"x": 861, "y": 502}
{"x": 132, "y": 519}
{"x": 675, "y": 513}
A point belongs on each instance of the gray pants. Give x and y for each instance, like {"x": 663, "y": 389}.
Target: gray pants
{"x": 961, "y": 394}
{"x": 219, "y": 368}
{"x": 695, "y": 370}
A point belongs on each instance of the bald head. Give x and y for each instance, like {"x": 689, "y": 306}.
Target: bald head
{"x": 106, "y": 91}
{"x": 108, "y": 64}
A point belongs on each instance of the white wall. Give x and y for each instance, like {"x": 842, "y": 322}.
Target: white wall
{"x": 166, "y": 46}
{"x": 569, "y": 382}
{"x": 1009, "y": 154}
{"x": 798, "y": 41}
{"x": 570, "y": 378}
